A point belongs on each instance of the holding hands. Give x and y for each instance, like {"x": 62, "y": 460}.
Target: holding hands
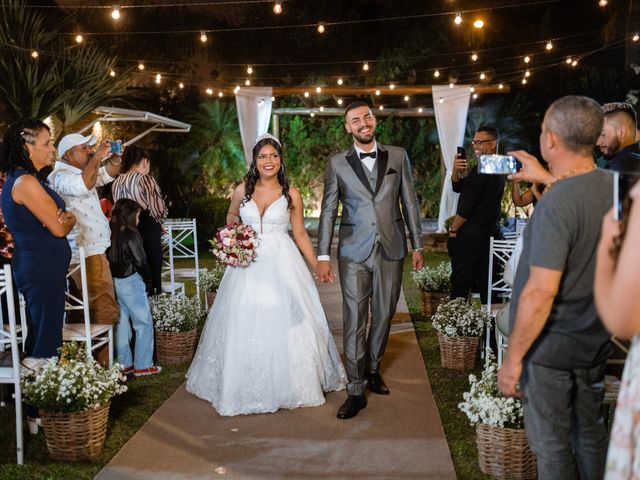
{"x": 323, "y": 272}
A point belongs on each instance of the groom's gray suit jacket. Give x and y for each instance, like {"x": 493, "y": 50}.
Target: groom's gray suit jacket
{"x": 371, "y": 205}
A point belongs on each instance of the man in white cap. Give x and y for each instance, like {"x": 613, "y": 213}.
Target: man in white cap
{"x": 75, "y": 178}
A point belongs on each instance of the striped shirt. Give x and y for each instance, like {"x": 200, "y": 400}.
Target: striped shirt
{"x": 144, "y": 190}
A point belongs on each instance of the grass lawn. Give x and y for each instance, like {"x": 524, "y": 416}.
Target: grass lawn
{"x": 132, "y": 409}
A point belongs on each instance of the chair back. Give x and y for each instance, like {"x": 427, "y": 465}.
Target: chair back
{"x": 181, "y": 241}
{"x": 499, "y": 253}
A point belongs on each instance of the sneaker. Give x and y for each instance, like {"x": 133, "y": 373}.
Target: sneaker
{"x": 127, "y": 371}
{"x": 147, "y": 371}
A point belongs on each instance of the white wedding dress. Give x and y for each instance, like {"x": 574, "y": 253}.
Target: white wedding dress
{"x": 266, "y": 344}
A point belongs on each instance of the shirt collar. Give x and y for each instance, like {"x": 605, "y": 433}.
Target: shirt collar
{"x": 359, "y": 150}
{"x": 62, "y": 165}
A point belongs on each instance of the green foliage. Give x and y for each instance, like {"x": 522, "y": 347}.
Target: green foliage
{"x": 210, "y": 212}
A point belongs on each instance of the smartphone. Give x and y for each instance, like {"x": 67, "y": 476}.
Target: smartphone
{"x": 622, "y": 183}
{"x": 116, "y": 147}
{"x": 461, "y": 152}
{"x": 498, "y": 164}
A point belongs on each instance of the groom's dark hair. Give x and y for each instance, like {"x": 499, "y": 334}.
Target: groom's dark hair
{"x": 356, "y": 104}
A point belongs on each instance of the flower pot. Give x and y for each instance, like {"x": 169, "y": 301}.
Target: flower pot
{"x": 458, "y": 353}
{"x": 504, "y": 453}
{"x": 211, "y": 297}
{"x": 430, "y": 301}
{"x": 175, "y": 347}
{"x": 76, "y": 435}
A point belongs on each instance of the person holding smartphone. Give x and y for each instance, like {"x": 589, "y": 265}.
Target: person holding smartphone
{"x": 476, "y": 217}
{"x": 75, "y": 178}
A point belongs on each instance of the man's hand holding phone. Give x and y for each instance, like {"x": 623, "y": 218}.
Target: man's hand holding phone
{"x": 459, "y": 164}
{"x": 532, "y": 171}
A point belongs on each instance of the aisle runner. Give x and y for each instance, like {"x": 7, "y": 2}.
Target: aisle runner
{"x": 398, "y": 436}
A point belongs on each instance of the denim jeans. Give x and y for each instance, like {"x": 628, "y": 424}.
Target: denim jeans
{"x": 563, "y": 421}
{"x": 134, "y": 309}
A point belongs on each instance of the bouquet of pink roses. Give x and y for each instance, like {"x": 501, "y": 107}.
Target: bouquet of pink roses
{"x": 235, "y": 244}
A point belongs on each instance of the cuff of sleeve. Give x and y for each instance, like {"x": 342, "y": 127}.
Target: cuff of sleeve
{"x": 324, "y": 258}
{"x": 419, "y": 249}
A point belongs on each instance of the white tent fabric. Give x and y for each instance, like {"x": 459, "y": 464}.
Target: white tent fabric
{"x": 254, "y": 113}
{"x": 451, "y": 120}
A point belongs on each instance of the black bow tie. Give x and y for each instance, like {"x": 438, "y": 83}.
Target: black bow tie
{"x": 371, "y": 154}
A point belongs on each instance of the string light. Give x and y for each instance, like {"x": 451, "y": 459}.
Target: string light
{"x": 158, "y": 78}
{"x": 478, "y": 24}
{"x": 568, "y": 60}
{"x": 392, "y": 86}
{"x": 378, "y": 92}
{"x": 321, "y": 27}
{"x": 220, "y": 94}
{"x": 112, "y": 73}
{"x": 527, "y": 59}
{"x": 474, "y": 57}
{"x": 549, "y": 45}
{"x": 249, "y": 69}
{"x": 524, "y": 81}
{"x": 79, "y": 38}
{"x": 321, "y": 108}
{"x": 436, "y": 73}
{"x": 406, "y": 98}
{"x": 203, "y": 37}
{"x": 340, "y": 81}
{"x": 277, "y": 7}
{"x": 603, "y": 3}
{"x": 475, "y": 96}
{"x": 318, "y": 89}
{"x": 635, "y": 37}
{"x": 181, "y": 85}
{"x": 381, "y": 108}
{"x": 141, "y": 66}
{"x": 237, "y": 89}
{"x": 527, "y": 74}
{"x": 209, "y": 91}
{"x": 574, "y": 63}
{"x": 115, "y": 12}
{"x": 312, "y": 114}
{"x": 500, "y": 86}
{"x": 458, "y": 19}
{"x": 451, "y": 85}
{"x": 339, "y": 101}
{"x": 273, "y": 99}
{"x": 419, "y": 109}
{"x": 247, "y": 82}
{"x": 34, "y": 54}
{"x": 472, "y": 89}
{"x": 365, "y": 66}
{"x": 306, "y": 94}
{"x": 482, "y": 76}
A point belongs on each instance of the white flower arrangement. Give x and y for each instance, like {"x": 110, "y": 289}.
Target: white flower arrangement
{"x": 483, "y": 403}
{"x": 210, "y": 278}
{"x": 173, "y": 313}
{"x": 434, "y": 279}
{"x": 72, "y": 383}
{"x": 456, "y": 318}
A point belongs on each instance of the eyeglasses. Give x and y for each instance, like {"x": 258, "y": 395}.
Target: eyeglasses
{"x": 480, "y": 142}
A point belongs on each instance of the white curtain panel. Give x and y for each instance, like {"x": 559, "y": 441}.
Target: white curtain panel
{"x": 451, "y": 106}
{"x": 254, "y": 114}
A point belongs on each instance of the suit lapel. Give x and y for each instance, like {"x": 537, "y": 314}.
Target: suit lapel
{"x": 381, "y": 164}
{"x": 356, "y": 164}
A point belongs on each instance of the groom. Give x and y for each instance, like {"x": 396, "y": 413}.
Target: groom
{"x": 371, "y": 181}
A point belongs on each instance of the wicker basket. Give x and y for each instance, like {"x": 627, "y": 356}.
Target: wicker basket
{"x": 75, "y": 435}
{"x": 505, "y": 453}
{"x": 430, "y": 302}
{"x": 175, "y": 347}
{"x": 211, "y": 297}
{"x": 459, "y": 353}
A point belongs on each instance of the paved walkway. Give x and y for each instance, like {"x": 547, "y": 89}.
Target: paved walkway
{"x": 398, "y": 436}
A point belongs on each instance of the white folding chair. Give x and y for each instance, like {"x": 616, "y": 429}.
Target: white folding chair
{"x": 10, "y": 364}
{"x": 499, "y": 253}
{"x": 181, "y": 241}
{"x": 94, "y": 335}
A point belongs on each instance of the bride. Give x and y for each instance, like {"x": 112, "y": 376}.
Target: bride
{"x": 266, "y": 344}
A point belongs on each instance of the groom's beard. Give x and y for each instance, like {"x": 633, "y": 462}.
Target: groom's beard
{"x": 364, "y": 140}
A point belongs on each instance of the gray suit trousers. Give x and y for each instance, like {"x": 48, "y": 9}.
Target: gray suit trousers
{"x": 376, "y": 282}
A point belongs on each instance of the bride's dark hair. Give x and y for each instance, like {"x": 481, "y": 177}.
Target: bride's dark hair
{"x": 252, "y": 176}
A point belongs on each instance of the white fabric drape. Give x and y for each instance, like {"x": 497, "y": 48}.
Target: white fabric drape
{"x": 451, "y": 120}
{"x": 254, "y": 113}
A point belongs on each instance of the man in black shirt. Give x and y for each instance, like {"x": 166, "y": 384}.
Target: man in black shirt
{"x": 617, "y": 142}
{"x": 476, "y": 219}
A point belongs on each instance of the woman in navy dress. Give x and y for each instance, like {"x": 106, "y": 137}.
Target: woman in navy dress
{"x": 36, "y": 217}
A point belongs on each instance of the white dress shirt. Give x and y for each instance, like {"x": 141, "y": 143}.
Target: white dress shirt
{"x": 369, "y": 163}
{"x": 92, "y": 227}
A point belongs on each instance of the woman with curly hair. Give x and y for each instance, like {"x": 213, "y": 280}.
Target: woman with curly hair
{"x": 36, "y": 217}
{"x": 266, "y": 344}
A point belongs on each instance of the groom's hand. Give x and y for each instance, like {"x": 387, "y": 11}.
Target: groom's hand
{"x": 417, "y": 260}
{"x": 323, "y": 271}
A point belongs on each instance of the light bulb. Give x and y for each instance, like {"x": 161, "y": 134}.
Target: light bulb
{"x": 406, "y": 98}
{"x": 436, "y": 73}
{"x": 568, "y": 60}
{"x": 181, "y": 85}
{"x": 635, "y": 37}
{"x": 451, "y": 85}
{"x": 574, "y": 63}
{"x": 306, "y": 94}
{"x": 603, "y": 3}
{"x": 115, "y": 12}
{"x": 475, "y": 96}
{"x": 318, "y": 89}
{"x": 340, "y": 101}
{"x": 380, "y": 107}
{"x": 220, "y": 94}
{"x": 158, "y": 78}
{"x": 249, "y": 69}
{"x": 79, "y": 39}
{"x": 34, "y": 54}
{"x": 549, "y": 45}
{"x": 365, "y": 67}
{"x": 500, "y": 86}
{"x": 112, "y": 73}
{"x": 312, "y": 114}
{"x": 277, "y": 7}
{"x": 203, "y": 37}
{"x": 419, "y": 109}
{"x": 478, "y": 24}
{"x": 209, "y": 91}
{"x": 472, "y": 89}
{"x": 321, "y": 109}
{"x": 141, "y": 66}
{"x": 392, "y": 86}
{"x": 321, "y": 27}
{"x": 482, "y": 76}
{"x": 340, "y": 81}
{"x": 524, "y": 81}
{"x": 527, "y": 59}
{"x": 273, "y": 99}
{"x": 247, "y": 82}
{"x": 474, "y": 57}
{"x": 458, "y": 19}
{"x": 378, "y": 92}
{"x": 237, "y": 89}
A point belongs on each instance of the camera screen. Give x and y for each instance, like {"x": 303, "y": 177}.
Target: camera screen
{"x": 498, "y": 164}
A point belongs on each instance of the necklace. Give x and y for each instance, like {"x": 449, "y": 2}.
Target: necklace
{"x": 571, "y": 173}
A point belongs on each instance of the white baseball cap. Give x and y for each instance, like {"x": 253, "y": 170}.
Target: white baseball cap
{"x": 73, "y": 139}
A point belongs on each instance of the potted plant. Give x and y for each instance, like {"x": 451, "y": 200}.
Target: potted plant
{"x": 175, "y": 320}
{"x": 503, "y": 450}
{"x": 434, "y": 284}
{"x": 73, "y": 394}
{"x": 210, "y": 281}
{"x": 459, "y": 327}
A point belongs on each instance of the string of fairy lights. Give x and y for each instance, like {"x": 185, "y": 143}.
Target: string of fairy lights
{"x": 538, "y": 55}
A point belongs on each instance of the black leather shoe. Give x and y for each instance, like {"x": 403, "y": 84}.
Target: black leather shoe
{"x": 377, "y": 385}
{"x": 352, "y": 405}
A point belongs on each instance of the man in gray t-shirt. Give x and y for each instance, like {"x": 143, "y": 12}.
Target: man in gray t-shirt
{"x": 558, "y": 346}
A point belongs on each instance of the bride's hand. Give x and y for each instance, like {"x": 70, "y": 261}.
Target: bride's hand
{"x": 323, "y": 272}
